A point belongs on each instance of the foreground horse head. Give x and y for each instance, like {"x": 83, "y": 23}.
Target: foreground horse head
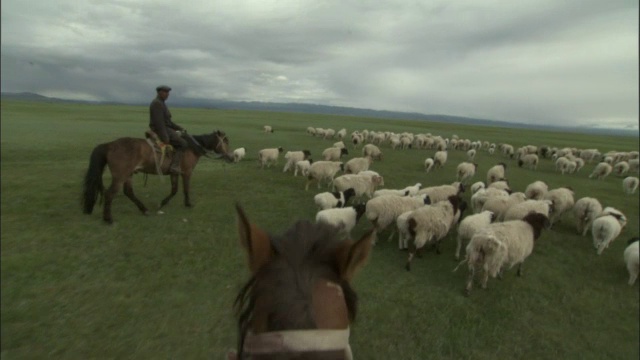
{"x": 298, "y": 302}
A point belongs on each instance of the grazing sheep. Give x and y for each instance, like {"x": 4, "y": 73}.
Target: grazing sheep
{"x": 621, "y": 168}
{"x": 519, "y": 211}
{"x": 303, "y": 167}
{"x": 606, "y": 228}
{"x": 382, "y": 211}
{"x": 293, "y": 157}
{"x": 267, "y": 129}
{"x": 341, "y": 134}
{"x": 373, "y": 151}
{"x": 536, "y": 190}
{"x": 481, "y": 196}
{"x": 344, "y": 218}
{"x": 357, "y": 139}
{"x": 442, "y": 192}
{"x": 339, "y": 145}
{"x": 500, "y": 205}
{"x": 470, "y": 225}
{"x": 471, "y": 154}
{"x": 430, "y": 224}
{"x": 632, "y": 259}
{"x": 329, "y": 133}
{"x": 585, "y": 210}
{"x": 311, "y": 130}
{"x": 564, "y": 165}
{"x": 336, "y": 199}
{"x": 496, "y": 173}
{"x": 630, "y": 184}
{"x": 634, "y": 165}
{"x": 563, "y": 201}
{"x": 428, "y": 164}
{"x": 269, "y": 156}
{"x": 323, "y": 170}
{"x": 362, "y": 184}
{"x": 601, "y": 171}
{"x": 500, "y": 184}
{"x": 491, "y": 151}
{"x": 356, "y": 165}
{"x": 529, "y": 161}
{"x": 408, "y": 191}
{"x": 501, "y": 246}
{"x": 239, "y": 154}
{"x": 439, "y": 159}
{"x": 477, "y": 186}
{"x": 466, "y": 171}
{"x": 334, "y": 153}
{"x": 579, "y": 164}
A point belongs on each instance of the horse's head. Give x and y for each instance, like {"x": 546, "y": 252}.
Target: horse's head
{"x": 298, "y": 300}
{"x": 217, "y": 142}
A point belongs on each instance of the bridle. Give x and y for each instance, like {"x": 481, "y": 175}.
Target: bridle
{"x": 298, "y": 341}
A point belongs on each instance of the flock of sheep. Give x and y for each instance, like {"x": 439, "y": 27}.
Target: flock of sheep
{"x": 504, "y": 224}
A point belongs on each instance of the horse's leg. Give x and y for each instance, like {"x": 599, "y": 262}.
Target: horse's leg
{"x": 108, "y": 198}
{"x": 128, "y": 191}
{"x": 174, "y": 190}
{"x": 185, "y": 187}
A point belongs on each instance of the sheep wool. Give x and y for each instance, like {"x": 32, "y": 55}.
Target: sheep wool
{"x": 239, "y": 154}
{"x": 586, "y": 210}
{"x": 562, "y": 199}
{"x": 343, "y": 218}
{"x": 632, "y": 259}
{"x": 500, "y": 205}
{"x": 536, "y": 190}
{"x": 323, "y": 170}
{"x": 383, "y": 211}
{"x": 293, "y": 157}
{"x": 607, "y": 227}
{"x": 362, "y": 184}
{"x": 470, "y": 225}
{"x": 496, "y": 173}
{"x": 442, "y": 192}
{"x": 630, "y": 184}
{"x": 502, "y": 245}
{"x": 373, "y": 151}
{"x": 334, "y": 153}
{"x": 466, "y": 171}
{"x": 302, "y": 167}
{"x": 336, "y": 199}
{"x": 356, "y": 165}
{"x": 521, "y": 210}
{"x": 269, "y": 156}
{"x": 601, "y": 171}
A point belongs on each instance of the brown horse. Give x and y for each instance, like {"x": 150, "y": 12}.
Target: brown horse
{"x": 127, "y": 156}
{"x": 298, "y": 302}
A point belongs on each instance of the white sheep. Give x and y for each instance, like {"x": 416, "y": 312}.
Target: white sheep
{"x": 303, "y": 167}
{"x": 430, "y": 224}
{"x": 519, "y": 211}
{"x": 606, "y": 228}
{"x": 428, "y": 164}
{"x": 383, "y": 211}
{"x": 632, "y": 259}
{"x": 343, "y": 218}
{"x": 496, "y": 173}
{"x": 601, "y": 171}
{"x": 634, "y": 165}
{"x": 407, "y": 191}
{"x": 442, "y": 192}
{"x": 501, "y": 185}
{"x": 311, "y": 130}
{"x": 481, "y": 196}
{"x": 621, "y": 168}
{"x": 470, "y": 225}
{"x": 536, "y": 190}
{"x": 563, "y": 201}
{"x": 477, "y": 186}
{"x": 373, "y": 151}
{"x": 341, "y": 133}
{"x": 358, "y": 164}
{"x": 323, "y": 170}
{"x": 362, "y": 184}
{"x": 529, "y": 161}
{"x": 269, "y": 156}
{"x": 630, "y": 184}
{"x": 466, "y": 171}
{"x": 329, "y": 133}
{"x": 293, "y": 157}
{"x": 501, "y": 246}
{"x": 267, "y": 129}
{"x": 500, "y": 205}
{"x": 585, "y": 210}
{"x": 334, "y": 153}
{"x": 439, "y": 159}
{"x": 239, "y": 154}
{"x": 413, "y": 189}
{"x": 471, "y": 154}
{"x": 336, "y": 199}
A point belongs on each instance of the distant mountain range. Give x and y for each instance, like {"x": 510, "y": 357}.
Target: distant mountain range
{"x": 333, "y": 110}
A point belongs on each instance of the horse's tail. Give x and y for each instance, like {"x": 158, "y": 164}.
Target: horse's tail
{"x": 93, "y": 186}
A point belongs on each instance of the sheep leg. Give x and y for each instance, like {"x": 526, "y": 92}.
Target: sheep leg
{"x": 458, "y": 247}
{"x": 485, "y": 278}
{"x": 412, "y": 251}
{"x": 438, "y": 248}
{"x": 519, "y": 272}
{"x": 472, "y": 271}
{"x": 632, "y": 277}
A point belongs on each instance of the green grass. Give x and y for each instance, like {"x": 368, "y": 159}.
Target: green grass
{"x": 162, "y": 286}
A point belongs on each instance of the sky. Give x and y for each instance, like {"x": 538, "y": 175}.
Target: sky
{"x": 553, "y": 62}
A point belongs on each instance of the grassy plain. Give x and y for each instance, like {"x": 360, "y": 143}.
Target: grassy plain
{"x": 162, "y": 286}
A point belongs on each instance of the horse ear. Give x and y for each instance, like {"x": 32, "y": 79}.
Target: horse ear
{"x": 254, "y": 240}
{"x": 353, "y": 256}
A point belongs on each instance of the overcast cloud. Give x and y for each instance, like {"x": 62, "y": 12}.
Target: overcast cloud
{"x": 571, "y": 62}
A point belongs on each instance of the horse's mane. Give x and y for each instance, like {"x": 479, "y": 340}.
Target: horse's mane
{"x": 304, "y": 253}
{"x": 204, "y": 143}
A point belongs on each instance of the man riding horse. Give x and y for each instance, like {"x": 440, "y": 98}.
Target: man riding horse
{"x": 160, "y": 122}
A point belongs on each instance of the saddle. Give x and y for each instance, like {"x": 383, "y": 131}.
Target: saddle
{"x": 154, "y": 140}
